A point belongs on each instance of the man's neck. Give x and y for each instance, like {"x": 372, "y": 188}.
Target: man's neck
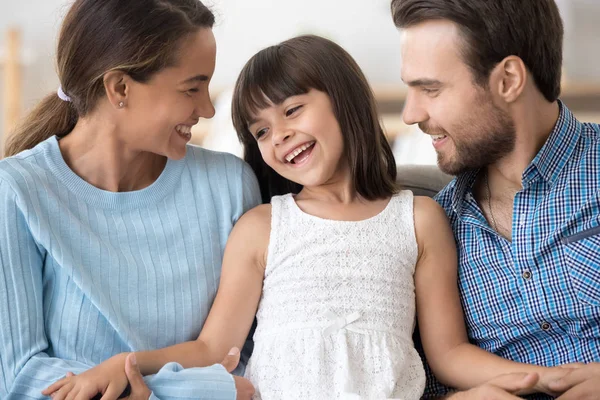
{"x": 533, "y": 127}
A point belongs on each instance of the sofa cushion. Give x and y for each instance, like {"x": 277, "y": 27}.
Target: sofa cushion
{"x": 422, "y": 180}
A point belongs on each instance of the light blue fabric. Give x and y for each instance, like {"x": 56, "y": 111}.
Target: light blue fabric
{"x": 86, "y": 274}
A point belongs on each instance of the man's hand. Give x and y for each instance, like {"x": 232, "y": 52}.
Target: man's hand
{"x": 139, "y": 389}
{"x": 502, "y": 387}
{"x": 579, "y": 383}
{"x": 244, "y": 388}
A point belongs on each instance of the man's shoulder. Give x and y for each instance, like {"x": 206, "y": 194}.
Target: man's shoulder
{"x": 586, "y": 155}
{"x": 446, "y": 196}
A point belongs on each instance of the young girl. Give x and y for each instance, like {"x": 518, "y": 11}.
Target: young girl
{"x": 335, "y": 272}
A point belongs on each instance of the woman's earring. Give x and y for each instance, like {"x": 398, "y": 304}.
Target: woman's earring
{"x": 121, "y": 104}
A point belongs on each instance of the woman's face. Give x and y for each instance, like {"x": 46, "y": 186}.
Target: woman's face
{"x": 162, "y": 111}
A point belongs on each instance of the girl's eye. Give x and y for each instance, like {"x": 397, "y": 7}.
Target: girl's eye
{"x": 260, "y": 133}
{"x": 192, "y": 91}
{"x": 292, "y": 110}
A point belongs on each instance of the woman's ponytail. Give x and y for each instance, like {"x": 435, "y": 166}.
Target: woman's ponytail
{"x": 52, "y": 116}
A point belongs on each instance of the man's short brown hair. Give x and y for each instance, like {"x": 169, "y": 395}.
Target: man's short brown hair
{"x": 495, "y": 29}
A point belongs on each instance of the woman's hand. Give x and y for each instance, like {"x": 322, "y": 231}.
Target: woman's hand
{"x": 108, "y": 378}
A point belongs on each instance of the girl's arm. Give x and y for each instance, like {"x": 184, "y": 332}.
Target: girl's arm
{"x": 233, "y": 311}
{"x": 453, "y": 360}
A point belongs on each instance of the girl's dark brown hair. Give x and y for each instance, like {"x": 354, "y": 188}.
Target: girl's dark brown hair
{"x": 138, "y": 37}
{"x": 294, "y": 67}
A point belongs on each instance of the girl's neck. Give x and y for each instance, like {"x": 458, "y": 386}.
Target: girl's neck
{"x": 338, "y": 205}
{"x": 94, "y": 152}
{"x": 334, "y": 193}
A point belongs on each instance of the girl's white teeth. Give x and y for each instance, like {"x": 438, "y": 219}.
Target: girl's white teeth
{"x": 299, "y": 150}
{"x": 437, "y": 137}
{"x": 183, "y": 129}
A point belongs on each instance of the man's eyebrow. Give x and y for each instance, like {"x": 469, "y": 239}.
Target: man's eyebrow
{"x": 424, "y": 82}
{"x": 197, "y": 78}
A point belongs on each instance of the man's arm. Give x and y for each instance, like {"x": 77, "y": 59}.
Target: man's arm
{"x": 502, "y": 387}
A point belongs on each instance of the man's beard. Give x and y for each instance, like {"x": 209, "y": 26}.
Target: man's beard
{"x": 483, "y": 139}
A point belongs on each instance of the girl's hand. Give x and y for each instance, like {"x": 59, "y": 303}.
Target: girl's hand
{"x": 108, "y": 379}
{"x": 243, "y": 387}
{"x": 139, "y": 389}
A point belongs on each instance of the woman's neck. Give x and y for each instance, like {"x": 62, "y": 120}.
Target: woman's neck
{"x": 94, "y": 152}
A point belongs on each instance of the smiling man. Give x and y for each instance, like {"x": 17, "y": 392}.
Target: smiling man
{"x": 484, "y": 81}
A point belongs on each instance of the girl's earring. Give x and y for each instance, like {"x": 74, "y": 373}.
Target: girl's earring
{"x": 121, "y": 104}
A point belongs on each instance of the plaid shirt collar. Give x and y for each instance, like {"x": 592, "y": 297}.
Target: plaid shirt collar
{"x": 547, "y": 164}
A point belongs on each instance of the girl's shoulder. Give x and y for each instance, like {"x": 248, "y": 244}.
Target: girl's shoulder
{"x": 259, "y": 215}
{"x": 253, "y": 229}
{"x": 427, "y": 211}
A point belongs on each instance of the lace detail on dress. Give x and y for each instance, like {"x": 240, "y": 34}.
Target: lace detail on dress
{"x": 337, "y": 312}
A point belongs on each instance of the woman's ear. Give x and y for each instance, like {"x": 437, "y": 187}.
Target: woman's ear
{"x": 117, "y": 85}
{"x": 509, "y": 78}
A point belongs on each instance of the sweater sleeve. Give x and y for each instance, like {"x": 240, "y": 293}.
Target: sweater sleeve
{"x": 176, "y": 383}
{"x": 25, "y": 367}
{"x": 250, "y": 188}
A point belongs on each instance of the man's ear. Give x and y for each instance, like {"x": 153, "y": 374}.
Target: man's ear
{"x": 117, "y": 86}
{"x": 509, "y": 78}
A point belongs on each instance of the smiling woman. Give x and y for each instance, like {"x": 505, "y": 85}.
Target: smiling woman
{"x": 112, "y": 227}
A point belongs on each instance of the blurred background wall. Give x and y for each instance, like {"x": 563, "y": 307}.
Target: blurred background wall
{"x": 363, "y": 27}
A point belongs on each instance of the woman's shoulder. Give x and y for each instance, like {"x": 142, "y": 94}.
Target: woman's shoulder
{"x": 214, "y": 161}
{"x": 27, "y": 169}
{"x": 225, "y": 173}
{"x": 219, "y": 165}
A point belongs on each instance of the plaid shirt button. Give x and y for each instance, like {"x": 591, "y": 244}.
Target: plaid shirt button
{"x": 546, "y": 326}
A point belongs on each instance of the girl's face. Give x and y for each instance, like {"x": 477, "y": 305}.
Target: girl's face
{"x": 301, "y": 140}
{"x": 162, "y": 111}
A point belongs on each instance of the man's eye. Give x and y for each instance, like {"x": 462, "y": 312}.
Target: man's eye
{"x": 430, "y": 91}
{"x": 292, "y": 110}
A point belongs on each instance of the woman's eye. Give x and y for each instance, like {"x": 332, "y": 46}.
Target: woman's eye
{"x": 430, "y": 91}
{"x": 292, "y": 110}
{"x": 192, "y": 91}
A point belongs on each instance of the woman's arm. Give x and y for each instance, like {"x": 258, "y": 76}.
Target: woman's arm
{"x": 25, "y": 367}
{"x": 453, "y": 360}
{"x": 235, "y": 306}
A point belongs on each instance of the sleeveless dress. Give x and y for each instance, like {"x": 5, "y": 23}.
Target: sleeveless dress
{"x": 337, "y": 311}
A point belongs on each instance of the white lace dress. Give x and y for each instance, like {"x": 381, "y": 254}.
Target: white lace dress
{"x": 337, "y": 312}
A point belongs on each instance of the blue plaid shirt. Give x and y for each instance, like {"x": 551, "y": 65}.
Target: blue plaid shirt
{"x": 536, "y": 299}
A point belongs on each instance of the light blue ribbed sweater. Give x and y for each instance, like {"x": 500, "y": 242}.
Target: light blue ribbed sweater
{"x": 86, "y": 274}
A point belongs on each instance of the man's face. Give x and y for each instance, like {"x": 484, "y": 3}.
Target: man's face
{"x": 468, "y": 130}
